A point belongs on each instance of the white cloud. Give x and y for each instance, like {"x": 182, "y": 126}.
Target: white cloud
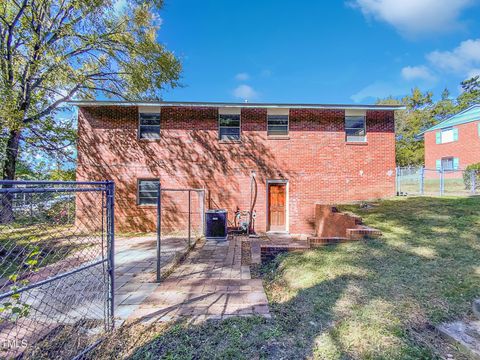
{"x": 245, "y": 92}
{"x": 421, "y": 72}
{"x": 462, "y": 60}
{"x": 379, "y": 90}
{"x": 243, "y": 76}
{"x": 414, "y": 17}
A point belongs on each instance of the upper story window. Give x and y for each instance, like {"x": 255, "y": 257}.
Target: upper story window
{"x": 355, "y": 126}
{"x": 149, "y": 125}
{"x": 229, "y": 124}
{"x": 148, "y": 191}
{"x": 277, "y": 122}
{"x": 446, "y": 135}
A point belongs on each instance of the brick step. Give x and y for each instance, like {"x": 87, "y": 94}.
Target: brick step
{"x": 362, "y": 232}
{"x": 358, "y": 219}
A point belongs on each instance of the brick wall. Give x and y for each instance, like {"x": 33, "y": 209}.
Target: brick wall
{"x": 466, "y": 149}
{"x": 317, "y": 162}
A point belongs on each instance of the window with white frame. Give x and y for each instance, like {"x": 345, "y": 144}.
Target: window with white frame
{"x": 229, "y": 124}
{"x": 147, "y": 191}
{"x": 355, "y": 126}
{"x": 447, "y": 163}
{"x": 447, "y": 135}
{"x": 277, "y": 122}
{"x": 149, "y": 125}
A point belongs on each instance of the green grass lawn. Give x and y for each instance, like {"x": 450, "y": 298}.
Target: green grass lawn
{"x": 432, "y": 186}
{"x": 378, "y": 299}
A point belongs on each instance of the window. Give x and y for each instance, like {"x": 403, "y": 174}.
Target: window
{"x": 277, "y": 122}
{"x": 355, "y": 128}
{"x": 447, "y": 135}
{"x": 229, "y": 126}
{"x": 149, "y": 126}
{"x": 447, "y": 163}
{"x": 147, "y": 192}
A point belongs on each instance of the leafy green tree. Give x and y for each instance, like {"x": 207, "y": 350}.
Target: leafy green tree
{"x": 52, "y": 51}
{"x": 409, "y": 123}
{"x": 470, "y": 93}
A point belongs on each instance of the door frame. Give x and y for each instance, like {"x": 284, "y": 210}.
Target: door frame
{"x": 287, "y": 203}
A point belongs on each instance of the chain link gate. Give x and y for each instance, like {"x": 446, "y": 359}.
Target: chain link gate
{"x": 180, "y": 223}
{"x": 56, "y": 267}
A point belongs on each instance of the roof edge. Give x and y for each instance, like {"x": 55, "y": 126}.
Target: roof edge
{"x": 233, "y": 105}
{"x": 439, "y": 127}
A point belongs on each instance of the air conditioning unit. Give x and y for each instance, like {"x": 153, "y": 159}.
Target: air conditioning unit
{"x": 216, "y": 224}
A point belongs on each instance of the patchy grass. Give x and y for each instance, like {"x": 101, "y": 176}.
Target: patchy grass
{"x": 378, "y": 299}
{"x": 49, "y": 242}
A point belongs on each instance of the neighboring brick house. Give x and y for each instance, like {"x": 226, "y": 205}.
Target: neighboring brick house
{"x": 301, "y": 155}
{"x": 455, "y": 142}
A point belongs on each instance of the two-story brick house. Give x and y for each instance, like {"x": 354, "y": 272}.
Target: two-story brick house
{"x": 455, "y": 142}
{"x": 301, "y": 154}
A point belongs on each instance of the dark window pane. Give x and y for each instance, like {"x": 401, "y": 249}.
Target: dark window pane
{"x": 277, "y": 130}
{"x": 229, "y": 120}
{"x": 147, "y": 201}
{"x": 147, "y": 192}
{"x": 447, "y": 163}
{"x": 149, "y": 132}
{"x": 229, "y": 133}
{"x": 149, "y": 119}
{"x": 277, "y": 119}
{"x": 354, "y": 122}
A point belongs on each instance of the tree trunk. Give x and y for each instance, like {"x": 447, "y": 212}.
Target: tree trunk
{"x": 11, "y": 154}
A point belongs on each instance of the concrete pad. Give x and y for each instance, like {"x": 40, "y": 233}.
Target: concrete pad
{"x": 466, "y": 334}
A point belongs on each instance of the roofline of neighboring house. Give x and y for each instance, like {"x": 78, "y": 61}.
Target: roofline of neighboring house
{"x": 439, "y": 127}
{"x": 234, "y": 105}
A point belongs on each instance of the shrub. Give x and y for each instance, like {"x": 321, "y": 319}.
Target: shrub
{"x": 467, "y": 176}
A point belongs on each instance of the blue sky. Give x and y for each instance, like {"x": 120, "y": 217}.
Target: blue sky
{"x": 320, "y": 51}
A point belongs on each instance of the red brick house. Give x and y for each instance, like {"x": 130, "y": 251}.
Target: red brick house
{"x": 455, "y": 142}
{"x": 301, "y": 155}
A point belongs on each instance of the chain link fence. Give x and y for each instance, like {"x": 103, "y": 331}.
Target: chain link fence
{"x": 180, "y": 223}
{"x": 56, "y": 278}
{"x": 433, "y": 182}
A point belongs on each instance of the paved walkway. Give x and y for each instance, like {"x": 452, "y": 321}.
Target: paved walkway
{"x": 135, "y": 266}
{"x": 210, "y": 283}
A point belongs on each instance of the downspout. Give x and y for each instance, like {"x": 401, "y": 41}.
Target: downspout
{"x": 253, "y": 200}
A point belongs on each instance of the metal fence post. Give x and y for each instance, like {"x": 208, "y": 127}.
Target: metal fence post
{"x": 110, "y": 190}
{"x": 397, "y": 176}
{"x": 472, "y": 182}
{"x": 159, "y": 229}
{"x": 442, "y": 182}
{"x": 189, "y": 218}
{"x": 203, "y": 211}
{"x": 422, "y": 180}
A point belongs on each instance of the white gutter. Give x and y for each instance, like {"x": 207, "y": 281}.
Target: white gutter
{"x": 237, "y": 105}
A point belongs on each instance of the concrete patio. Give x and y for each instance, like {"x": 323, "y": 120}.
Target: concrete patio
{"x": 210, "y": 283}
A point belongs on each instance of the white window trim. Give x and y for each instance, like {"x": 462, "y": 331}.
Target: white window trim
{"x": 229, "y": 111}
{"x": 148, "y": 110}
{"x": 279, "y": 112}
